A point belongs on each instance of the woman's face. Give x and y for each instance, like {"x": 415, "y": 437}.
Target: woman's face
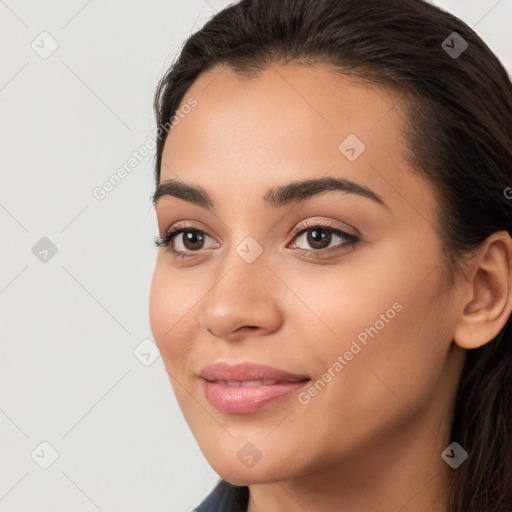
{"x": 271, "y": 279}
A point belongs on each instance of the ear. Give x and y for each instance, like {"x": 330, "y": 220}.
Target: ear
{"x": 487, "y": 295}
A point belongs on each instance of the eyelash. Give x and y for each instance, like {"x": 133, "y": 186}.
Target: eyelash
{"x": 351, "y": 240}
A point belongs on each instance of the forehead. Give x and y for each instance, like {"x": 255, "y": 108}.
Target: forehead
{"x": 291, "y": 122}
{"x": 288, "y": 103}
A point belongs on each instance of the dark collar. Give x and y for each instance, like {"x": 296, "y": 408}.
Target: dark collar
{"x": 225, "y": 497}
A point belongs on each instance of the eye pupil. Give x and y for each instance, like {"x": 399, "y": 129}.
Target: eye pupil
{"x": 316, "y": 236}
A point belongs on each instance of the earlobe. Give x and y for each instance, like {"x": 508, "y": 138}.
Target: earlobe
{"x": 487, "y": 296}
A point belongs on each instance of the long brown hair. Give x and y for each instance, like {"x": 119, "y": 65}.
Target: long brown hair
{"x": 459, "y": 136}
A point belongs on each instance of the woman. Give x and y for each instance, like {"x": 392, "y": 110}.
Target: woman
{"x": 332, "y": 295}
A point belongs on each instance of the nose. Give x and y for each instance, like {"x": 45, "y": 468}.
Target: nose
{"x": 242, "y": 302}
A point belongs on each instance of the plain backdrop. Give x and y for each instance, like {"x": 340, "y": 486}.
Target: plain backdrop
{"x": 88, "y": 419}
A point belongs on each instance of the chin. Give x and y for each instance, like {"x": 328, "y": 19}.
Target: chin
{"x": 249, "y": 477}
{"x": 237, "y": 472}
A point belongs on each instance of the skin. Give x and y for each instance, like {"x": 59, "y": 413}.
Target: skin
{"x": 372, "y": 438}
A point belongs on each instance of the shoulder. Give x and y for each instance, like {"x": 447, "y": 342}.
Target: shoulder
{"x": 225, "y": 498}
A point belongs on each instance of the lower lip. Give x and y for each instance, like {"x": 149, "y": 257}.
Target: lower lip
{"x": 244, "y": 400}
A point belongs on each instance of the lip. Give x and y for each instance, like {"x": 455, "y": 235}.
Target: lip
{"x": 232, "y": 388}
{"x": 247, "y": 371}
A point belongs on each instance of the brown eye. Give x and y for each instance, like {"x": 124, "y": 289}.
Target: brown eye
{"x": 185, "y": 241}
{"x": 319, "y": 238}
{"x": 191, "y": 240}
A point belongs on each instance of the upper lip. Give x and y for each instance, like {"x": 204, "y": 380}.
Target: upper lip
{"x": 247, "y": 372}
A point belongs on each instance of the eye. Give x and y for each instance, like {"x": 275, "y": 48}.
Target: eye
{"x": 183, "y": 241}
{"x": 320, "y": 236}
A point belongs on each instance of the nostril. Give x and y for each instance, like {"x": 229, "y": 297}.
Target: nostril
{"x": 251, "y": 327}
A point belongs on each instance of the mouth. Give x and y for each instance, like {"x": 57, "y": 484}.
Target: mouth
{"x": 248, "y": 372}
{"x": 250, "y": 383}
{"x": 246, "y": 388}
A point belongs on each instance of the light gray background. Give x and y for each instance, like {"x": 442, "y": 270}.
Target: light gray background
{"x": 69, "y": 326}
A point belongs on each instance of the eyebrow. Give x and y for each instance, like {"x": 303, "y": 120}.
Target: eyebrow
{"x": 276, "y": 196}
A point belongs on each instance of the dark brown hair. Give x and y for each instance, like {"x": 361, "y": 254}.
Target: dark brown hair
{"x": 458, "y": 132}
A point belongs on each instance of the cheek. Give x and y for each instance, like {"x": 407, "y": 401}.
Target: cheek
{"x": 170, "y": 312}
{"x": 344, "y": 299}
{"x": 387, "y": 317}
{"x": 170, "y": 315}
{"x": 371, "y": 285}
